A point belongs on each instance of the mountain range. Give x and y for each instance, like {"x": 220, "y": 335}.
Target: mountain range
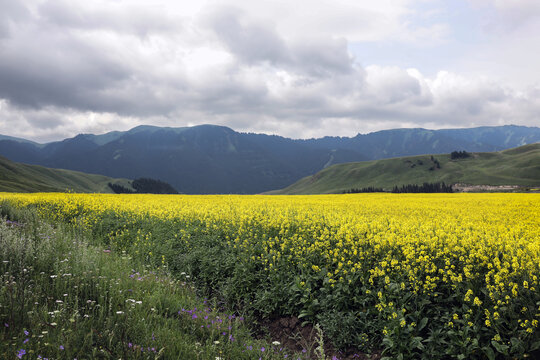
{"x": 216, "y": 159}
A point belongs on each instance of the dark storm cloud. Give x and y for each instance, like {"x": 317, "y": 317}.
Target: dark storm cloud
{"x": 45, "y": 59}
{"x": 39, "y": 68}
{"x": 57, "y": 72}
{"x": 255, "y": 42}
{"x": 251, "y": 42}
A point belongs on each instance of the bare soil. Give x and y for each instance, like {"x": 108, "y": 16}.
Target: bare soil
{"x": 292, "y": 335}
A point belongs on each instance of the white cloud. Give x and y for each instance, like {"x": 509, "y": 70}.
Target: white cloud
{"x": 74, "y": 66}
{"x": 510, "y": 14}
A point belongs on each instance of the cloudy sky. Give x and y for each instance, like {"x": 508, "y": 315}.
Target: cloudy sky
{"x": 297, "y": 68}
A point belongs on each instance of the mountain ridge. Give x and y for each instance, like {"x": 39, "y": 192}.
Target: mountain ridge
{"x": 217, "y": 159}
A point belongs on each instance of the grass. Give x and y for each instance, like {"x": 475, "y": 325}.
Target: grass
{"x": 17, "y": 177}
{"x": 63, "y": 297}
{"x": 518, "y": 166}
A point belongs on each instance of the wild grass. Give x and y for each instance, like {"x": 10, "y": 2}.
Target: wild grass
{"x": 61, "y": 297}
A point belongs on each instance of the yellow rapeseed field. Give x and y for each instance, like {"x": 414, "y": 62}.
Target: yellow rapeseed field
{"x": 484, "y": 249}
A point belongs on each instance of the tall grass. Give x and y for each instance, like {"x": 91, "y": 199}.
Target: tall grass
{"x": 62, "y": 297}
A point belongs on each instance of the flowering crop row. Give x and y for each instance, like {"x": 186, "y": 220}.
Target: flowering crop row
{"x": 410, "y": 272}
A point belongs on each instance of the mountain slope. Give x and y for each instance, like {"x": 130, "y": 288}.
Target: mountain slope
{"x": 32, "y": 178}
{"x": 518, "y": 166}
{"x": 404, "y": 142}
{"x": 200, "y": 159}
{"x": 216, "y": 159}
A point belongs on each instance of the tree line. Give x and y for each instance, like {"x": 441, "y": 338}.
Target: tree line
{"x": 410, "y": 188}
{"x": 369, "y": 189}
{"x": 144, "y": 186}
{"x": 459, "y": 155}
{"x": 424, "y": 188}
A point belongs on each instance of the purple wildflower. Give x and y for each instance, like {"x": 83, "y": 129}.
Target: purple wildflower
{"x": 20, "y": 353}
{"x": 263, "y": 349}
{"x": 26, "y": 332}
{"x": 26, "y": 340}
{"x": 61, "y": 347}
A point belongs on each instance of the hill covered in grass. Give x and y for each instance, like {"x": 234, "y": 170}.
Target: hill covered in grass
{"x": 18, "y": 177}
{"x": 517, "y": 166}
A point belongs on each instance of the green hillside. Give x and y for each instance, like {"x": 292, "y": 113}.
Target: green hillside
{"x": 518, "y": 166}
{"x": 16, "y": 177}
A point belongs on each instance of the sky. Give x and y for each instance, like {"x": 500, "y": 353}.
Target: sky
{"x": 296, "y": 68}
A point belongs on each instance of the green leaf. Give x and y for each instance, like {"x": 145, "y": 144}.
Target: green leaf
{"x": 417, "y": 342}
{"x": 516, "y": 343}
{"x": 503, "y": 349}
{"x": 535, "y": 345}
{"x": 489, "y": 352}
{"x": 422, "y": 323}
{"x": 388, "y": 342}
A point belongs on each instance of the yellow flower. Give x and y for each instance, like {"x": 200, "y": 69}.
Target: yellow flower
{"x": 402, "y": 323}
{"x": 477, "y": 301}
